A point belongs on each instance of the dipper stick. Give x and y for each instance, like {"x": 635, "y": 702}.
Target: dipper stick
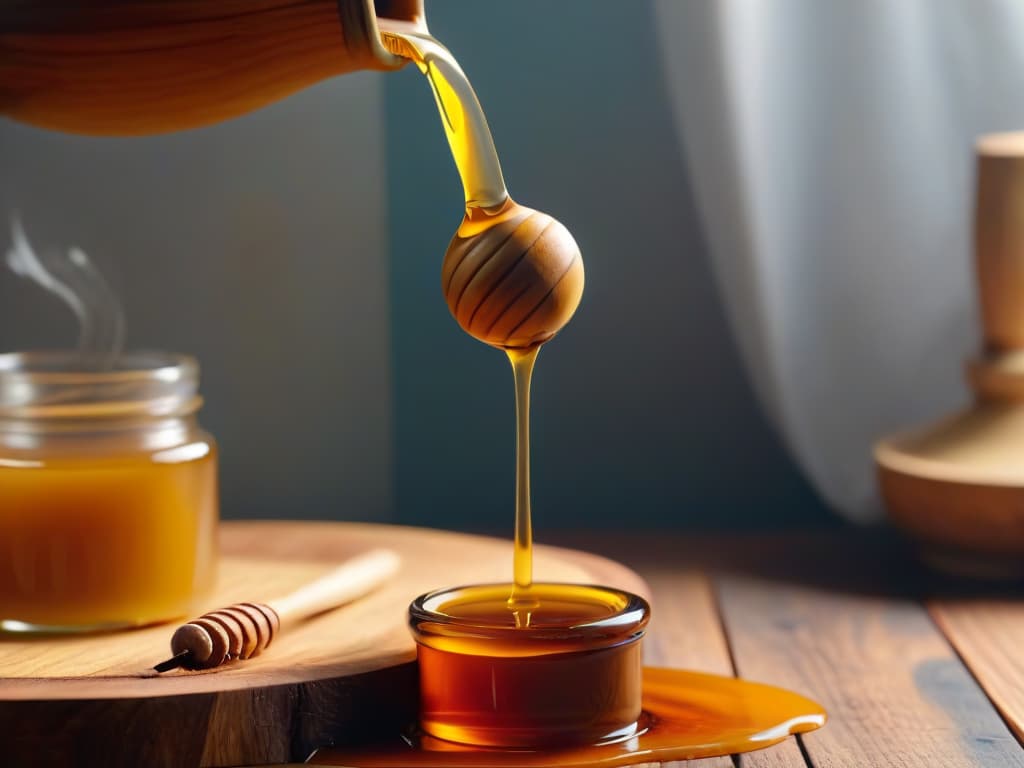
{"x": 243, "y": 630}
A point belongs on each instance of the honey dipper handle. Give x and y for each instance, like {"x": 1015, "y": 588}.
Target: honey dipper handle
{"x": 345, "y": 583}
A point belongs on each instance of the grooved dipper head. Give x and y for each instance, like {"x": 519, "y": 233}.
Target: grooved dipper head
{"x": 515, "y": 280}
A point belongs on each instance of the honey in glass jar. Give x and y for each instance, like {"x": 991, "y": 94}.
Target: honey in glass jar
{"x": 108, "y": 492}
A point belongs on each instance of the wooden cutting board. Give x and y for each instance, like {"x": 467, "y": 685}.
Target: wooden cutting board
{"x": 339, "y": 677}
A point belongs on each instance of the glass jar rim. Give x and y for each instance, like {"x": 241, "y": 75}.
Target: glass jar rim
{"x": 52, "y": 384}
{"x": 626, "y": 623}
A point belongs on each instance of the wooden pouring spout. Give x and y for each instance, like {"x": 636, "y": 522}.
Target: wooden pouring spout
{"x": 109, "y": 67}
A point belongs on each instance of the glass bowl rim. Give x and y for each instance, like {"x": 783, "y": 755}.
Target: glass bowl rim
{"x": 628, "y": 623}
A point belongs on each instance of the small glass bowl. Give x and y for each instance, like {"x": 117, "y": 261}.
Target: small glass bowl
{"x": 572, "y": 676}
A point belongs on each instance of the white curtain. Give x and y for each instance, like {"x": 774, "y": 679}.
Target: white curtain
{"x": 829, "y": 145}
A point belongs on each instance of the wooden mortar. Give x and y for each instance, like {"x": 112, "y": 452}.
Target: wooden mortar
{"x": 958, "y": 486}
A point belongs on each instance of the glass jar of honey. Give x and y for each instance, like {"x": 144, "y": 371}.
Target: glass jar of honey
{"x": 108, "y": 492}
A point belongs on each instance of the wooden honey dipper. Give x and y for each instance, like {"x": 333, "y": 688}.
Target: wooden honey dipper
{"x": 244, "y": 630}
{"x": 512, "y": 276}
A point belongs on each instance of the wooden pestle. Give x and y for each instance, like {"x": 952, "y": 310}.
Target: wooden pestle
{"x": 999, "y": 240}
{"x": 512, "y": 276}
{"x": 243, "y": 630}
{"x": 957, "y": 485}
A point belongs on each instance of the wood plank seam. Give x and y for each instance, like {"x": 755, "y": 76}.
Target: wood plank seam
{"x": 803, "y": 750}
{"x": 716, "y": 595}
{"x": 943, "y": 630}
{"x": 897, "y": 694}
{"x": 686, "y": 596}
{"x": 717, "y": 602}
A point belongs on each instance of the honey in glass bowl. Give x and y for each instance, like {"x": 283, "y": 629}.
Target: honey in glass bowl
{"x": 565, "y": 671}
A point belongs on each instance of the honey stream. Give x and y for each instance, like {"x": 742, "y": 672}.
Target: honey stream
{"x": 684, "y": 714}
{"x": 521, "y": 601}
{"x": 487, "y": 204}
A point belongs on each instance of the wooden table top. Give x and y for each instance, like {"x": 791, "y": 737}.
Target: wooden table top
{"x": 76, "y": 700}
{"x": 914, "y": 669}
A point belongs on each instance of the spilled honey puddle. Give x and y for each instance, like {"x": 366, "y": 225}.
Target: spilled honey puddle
{"x": 687, "y": 715}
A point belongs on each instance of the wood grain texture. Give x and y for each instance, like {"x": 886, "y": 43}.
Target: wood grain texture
{"x": 895, "y": 691}
{"x": 989, "y": 636}
{"x": 342, "y": 675}
{"x": 784, "y": 755}
{"x": 686, "y": 629}
{"x": 115, "y": 68}
{"x": 513, "y": 283}
{"x": 840, "y": 616}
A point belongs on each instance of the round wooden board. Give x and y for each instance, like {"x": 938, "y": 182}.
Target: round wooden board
{"x": 340, "y": 676}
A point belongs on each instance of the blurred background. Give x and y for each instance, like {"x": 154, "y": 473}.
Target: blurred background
{"x": 751, "y": 263}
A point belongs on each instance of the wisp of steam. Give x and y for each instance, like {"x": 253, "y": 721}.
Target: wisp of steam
{"x": 74, "y": 279}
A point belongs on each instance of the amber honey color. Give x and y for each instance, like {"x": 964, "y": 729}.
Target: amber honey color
{"x": 567, "y": 673}
{"x": 108, "y": 491}
{"x": 107, "y": 541}
{"x": 534, "y": 674}
{"x": 686, "y": 715}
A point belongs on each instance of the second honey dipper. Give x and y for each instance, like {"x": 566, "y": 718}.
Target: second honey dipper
{"x": 243, "y": 630}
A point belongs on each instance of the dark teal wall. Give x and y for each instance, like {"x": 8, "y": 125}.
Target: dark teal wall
{"x": 641, "y": 412}
{"x": 259, "y": 246}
